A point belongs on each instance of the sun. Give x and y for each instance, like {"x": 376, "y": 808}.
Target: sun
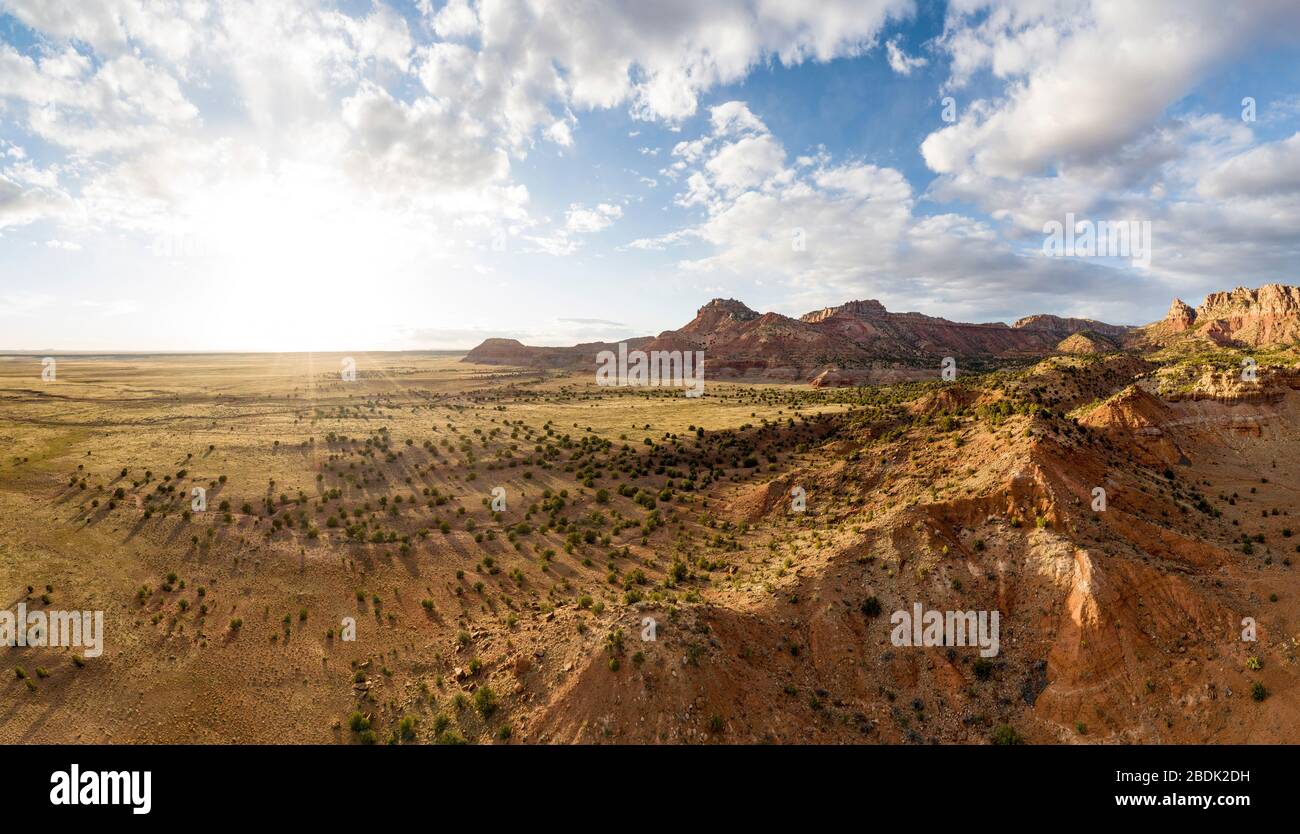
{"x": 310, "y": 264}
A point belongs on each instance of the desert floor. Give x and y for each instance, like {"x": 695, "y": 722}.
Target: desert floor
{"x": 335, "y": 505}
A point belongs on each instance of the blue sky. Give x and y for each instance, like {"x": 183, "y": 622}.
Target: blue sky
{"x": 364, "y": 175}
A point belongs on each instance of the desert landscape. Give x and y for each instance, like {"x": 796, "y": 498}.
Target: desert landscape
{"x": 489, "y": 547}
{"x": 725, "y": 382}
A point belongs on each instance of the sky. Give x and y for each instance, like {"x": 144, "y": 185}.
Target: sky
{"x": 204, "y": 175}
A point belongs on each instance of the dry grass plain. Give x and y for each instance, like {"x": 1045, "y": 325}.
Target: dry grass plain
{"x": 369, "y": 501}
{"x": 97, "y": 474}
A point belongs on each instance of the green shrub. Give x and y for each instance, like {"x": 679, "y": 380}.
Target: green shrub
{"x": 485, "y": 701}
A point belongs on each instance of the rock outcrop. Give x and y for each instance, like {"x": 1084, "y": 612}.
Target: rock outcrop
{"x": 1269, "y": 315}
{"x": 1086, "y": 342}
{"x": 859, "y": 340}
{"x": 1056, "y": 324}
{"x": 1265, "y": 317}
{"x": 1181, "y": 317}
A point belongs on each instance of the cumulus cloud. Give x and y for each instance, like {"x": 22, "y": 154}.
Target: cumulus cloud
{"x": 586, "y": 221}
{"x": 396, "y": 143}
{"x": 168, "y": 28}
{"x": 579, "y": 220}
{"x": 317, "y": 88}
{"x": 899, "y": 61}
{"x": 1084, "y": 79}
{"x": 457, "y": 19}
{"x": 29, "y": 193}
{"x": 382, "y": 36}
{"x": 124, "y": 103}
{"x": 19, "y": 207}
{"x": 826, "y": 230}
{"x": 229, "y": 114}
{"x": 1270, "y": 169}
{"x": 1082, "y": 119}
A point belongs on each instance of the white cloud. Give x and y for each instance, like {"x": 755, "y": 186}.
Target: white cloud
{"x": 560, "y": 133}
{"x": 382, "y": 35}
{"x": 23, "y": 202}
{"x": 316, "y": 88}
{"x": 447, "y": 71}
{"x": 400, "y": 146}
{"x": 124, "y": 103}
{"x": 582, "y": 220}
{"x": 1270, "y": 169}
{"x": 899, "y": 61}
{"x": 315, "y": 132}
{"x": 1085, "y": 79}
{"x": 168, "y": 28}
{"x": 659, "y": 57}
{"x": 734, "y": 118}
{"x": 826, "y": 230}
{"x": 457, "y": 19}
{"x": 865, "y": 182}
{"x": 748, "y": 162}
{"x": 1086, "y": 121}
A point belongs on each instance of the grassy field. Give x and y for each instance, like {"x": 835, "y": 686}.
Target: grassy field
{"x": 351, "y": 575}
{"x": 327, "y": 499}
